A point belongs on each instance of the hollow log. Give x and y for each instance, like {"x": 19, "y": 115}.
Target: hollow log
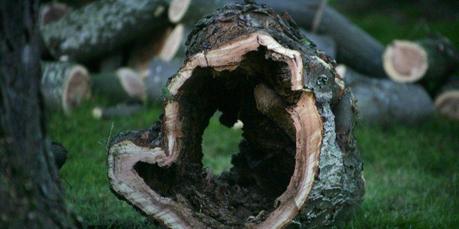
{"x": 123, "y": 85}
{"x": 383, "y": 101}
{"x": 248, "y": 63}
{"x": 430, "y": 60}
{"x": 120, "y": 110}
{"x": 102, "y": 27}
{"x": 64, "y": 85}
{"x": 323, "y": 43}
{"x": 447, "y": 101}
{"x": 159, "y": 72}
{"x": 356, "y": 48}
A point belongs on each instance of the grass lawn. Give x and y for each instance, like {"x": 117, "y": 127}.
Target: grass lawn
{"x": 412, "y": 173}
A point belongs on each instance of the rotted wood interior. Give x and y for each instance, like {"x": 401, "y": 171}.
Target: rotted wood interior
{"x": 253, "y": 79}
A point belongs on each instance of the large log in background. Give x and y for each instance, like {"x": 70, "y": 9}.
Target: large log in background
{"x": 430, "y": 61}
{"x": 447, "y": 101}
{"x": 383, "y": 101}
{"x": 64, "y": 85}
{"x": 102, "y": 27}
{"x": 296, "y": 160}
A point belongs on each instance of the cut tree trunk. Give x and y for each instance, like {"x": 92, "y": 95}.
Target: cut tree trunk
{"x": 159, "y": 72}
{"x": 431, "y": 60}
{"x": 447, "y": 101}
{"x": 165, "y": 48}
{"x": 30, "y": 192}
{"x": 246, "y": 62}
{"x": 120, "y": 110}
{"x": 123, "y": 85}
{"x": 64, "y": 85}
{"x": 52, "y": 12}
{"x": 102, "y": 27}
{"x": 383, "y": 101}
{"x": 356, "y": 48}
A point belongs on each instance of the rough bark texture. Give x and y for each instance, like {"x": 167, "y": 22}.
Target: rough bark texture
{"x": 159, "y": 72}
{"x": 102, "y": 27}
{"x": 383, "y": 101}
{"x": 430, "y": 61}
{"x": 30, "y": 193}
{"x": 356, "y": 48}
{"x": 247, "y": 62}
{"x": 64, "y": 85}
{"x": 120, "y": 86}
{"x": 447, "y": 101}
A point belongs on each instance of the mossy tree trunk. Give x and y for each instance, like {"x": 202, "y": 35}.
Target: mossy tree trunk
{"x": 296, "y": 161}
{"x": 30, "y": 192}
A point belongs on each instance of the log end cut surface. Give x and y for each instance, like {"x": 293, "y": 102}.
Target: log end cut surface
{"x": 447, "y": 103}
{"x": 405, "y": 61}
{"x": 178, "y": 9}
{"x": 76, "y": 89}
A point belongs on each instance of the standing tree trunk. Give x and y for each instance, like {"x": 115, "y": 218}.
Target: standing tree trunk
{"x": 296, "y": 159}
{"x": 30, "y": 193}
{"x": 102, "y": 27}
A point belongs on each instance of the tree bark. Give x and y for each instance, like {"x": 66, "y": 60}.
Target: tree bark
{"x": 30, "y": 192}
{"x": 123, "y": 85}
{"x": 447, "y": 101}
{"x": 356, "y": 48}
{"x": 248, "y": 63}
{"x": 430, "y": 61}
{"x": 64, "y": 85}
{"x": 382, "y": 101}
{"x": 102, "y": 27}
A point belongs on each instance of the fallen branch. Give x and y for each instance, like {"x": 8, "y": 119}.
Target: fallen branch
{"x": 383, "y": 101}
{"x": 64, "y": 85}
{"x": 120, "y": 110}
{"x": 323, "y": 43}
{"x": 238, "y": 62}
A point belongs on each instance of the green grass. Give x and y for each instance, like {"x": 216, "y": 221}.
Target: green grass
{"x": 412, "y": 173}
